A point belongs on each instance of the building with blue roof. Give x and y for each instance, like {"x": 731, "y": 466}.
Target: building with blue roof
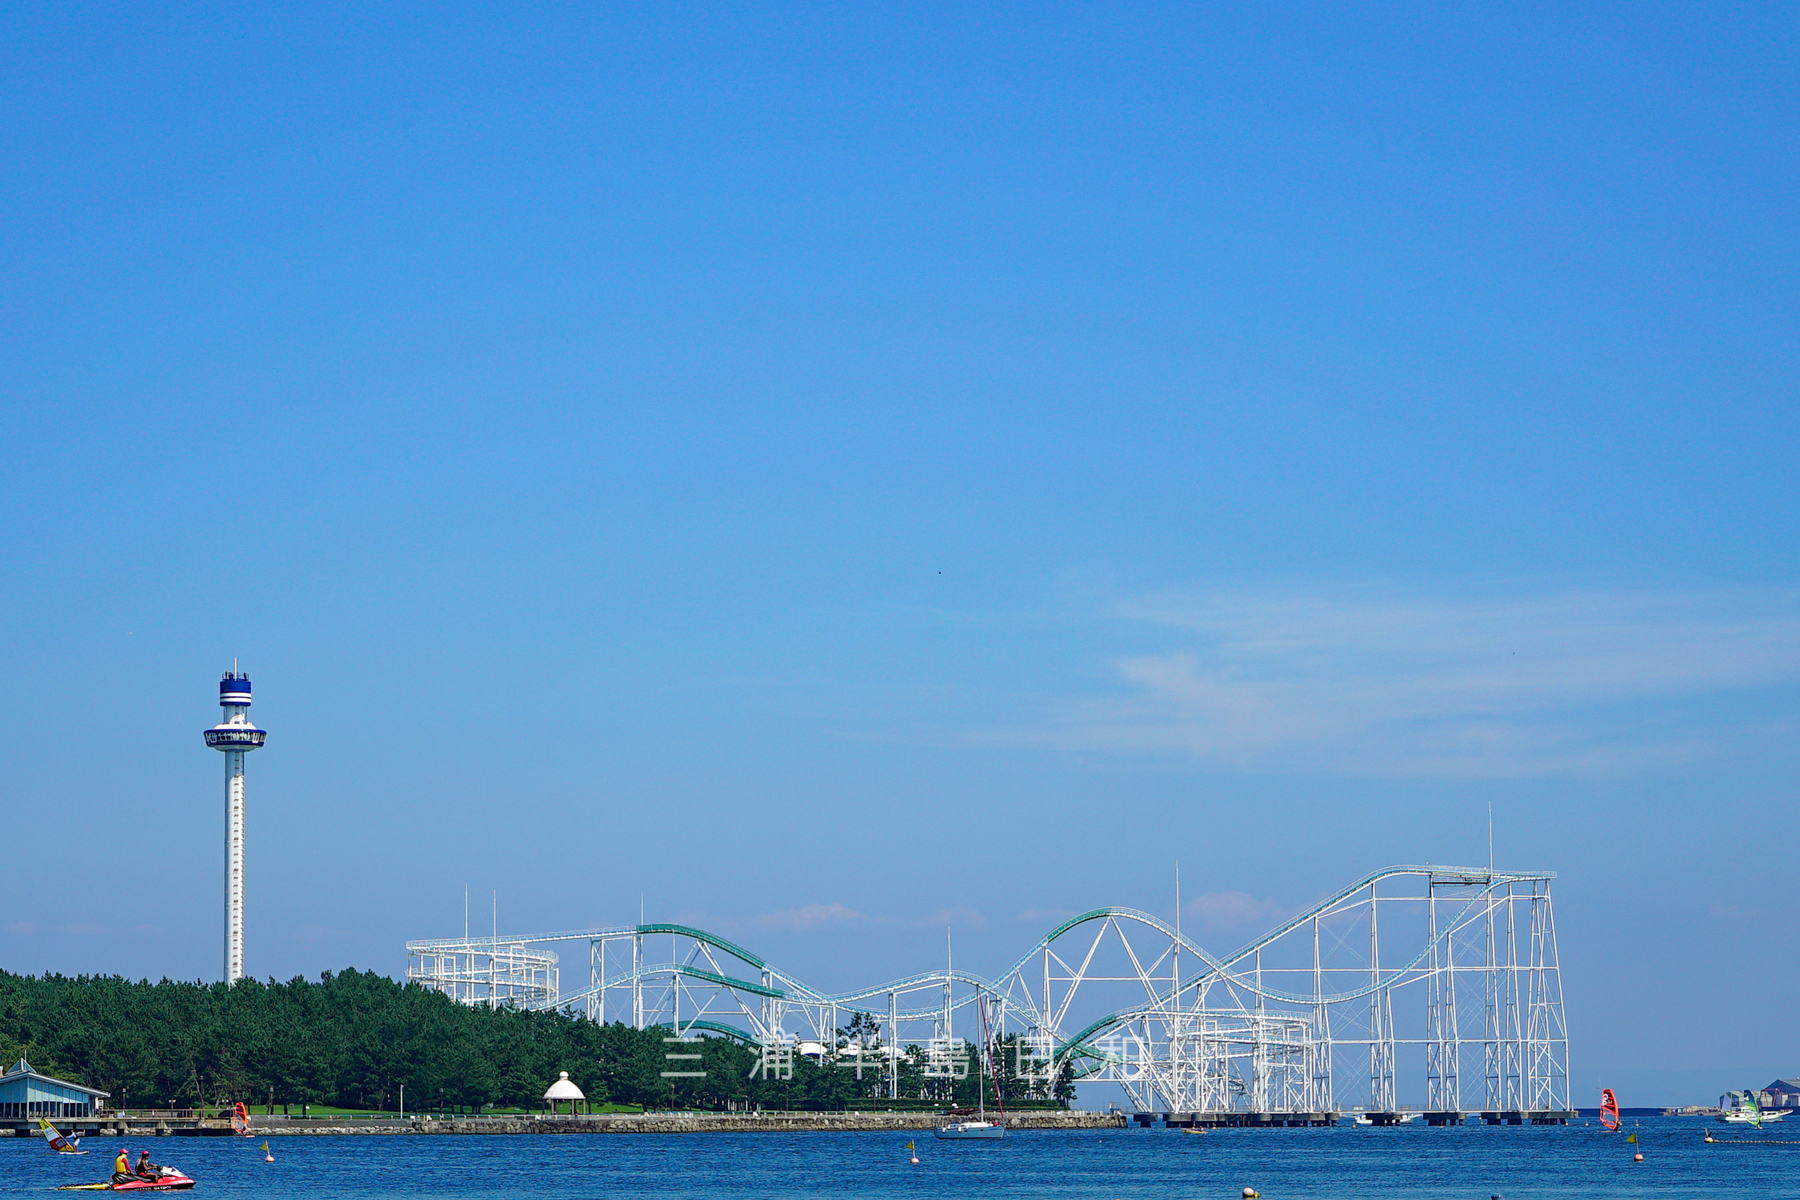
{"x": 25, "y": 1095}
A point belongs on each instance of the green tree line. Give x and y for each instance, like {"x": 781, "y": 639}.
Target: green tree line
{"x": 352, "y": 1038}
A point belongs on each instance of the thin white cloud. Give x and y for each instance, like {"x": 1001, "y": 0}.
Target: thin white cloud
{"x": 1226, "y": 910}
{"x": 958, "y": 914}
{"x": 810, "y": 916}
{"x": 1488, "y": 687}
{"x": 1045, "y": 916}
{"x": 815, "y": 916}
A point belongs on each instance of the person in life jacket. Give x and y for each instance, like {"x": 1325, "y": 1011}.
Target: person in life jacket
{"x": 122, "y": 1167}
{"x": 147, "y": 1169}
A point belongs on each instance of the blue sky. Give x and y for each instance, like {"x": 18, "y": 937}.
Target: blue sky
{"x": 833, "y": 471}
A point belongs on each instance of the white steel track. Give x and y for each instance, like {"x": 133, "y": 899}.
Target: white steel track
{"x": 1305, "y": 1019}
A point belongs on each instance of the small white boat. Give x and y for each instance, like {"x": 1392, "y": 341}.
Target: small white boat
{"x": 970, "y": 1130}
{"x": 1746, "y": 1115}
{"x": 1748, "y": 1112}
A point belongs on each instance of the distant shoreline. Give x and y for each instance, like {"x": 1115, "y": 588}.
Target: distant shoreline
{"x": 698, "y": 1122}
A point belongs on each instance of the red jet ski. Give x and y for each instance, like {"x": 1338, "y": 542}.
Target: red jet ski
{"x": 168, "y": 1179}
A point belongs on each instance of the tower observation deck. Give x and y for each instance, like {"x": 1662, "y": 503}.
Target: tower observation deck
{"x": 235, "y": 736}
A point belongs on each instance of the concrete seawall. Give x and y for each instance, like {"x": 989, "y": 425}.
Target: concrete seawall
{"x": 788, "y": 1122}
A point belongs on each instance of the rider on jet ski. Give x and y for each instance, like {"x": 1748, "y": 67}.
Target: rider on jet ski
{"x": 122, "y": 1167}
{"x": 147, "y": 1169}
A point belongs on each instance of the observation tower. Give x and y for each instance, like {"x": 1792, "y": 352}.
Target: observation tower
{"x": 235, "y": 736}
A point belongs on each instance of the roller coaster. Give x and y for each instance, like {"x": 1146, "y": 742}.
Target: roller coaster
{"x": 1417, "y": 990}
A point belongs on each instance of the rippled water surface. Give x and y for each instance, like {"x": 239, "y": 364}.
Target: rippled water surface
{"x": 1347, "y": 1163}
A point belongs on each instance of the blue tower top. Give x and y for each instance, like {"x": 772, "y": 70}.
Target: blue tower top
{"x": 234, "y": 690}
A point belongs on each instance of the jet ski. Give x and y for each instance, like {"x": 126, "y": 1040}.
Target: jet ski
{"x": 168, "y": 1179}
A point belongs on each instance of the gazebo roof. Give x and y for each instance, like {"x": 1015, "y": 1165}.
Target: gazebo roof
{"x": 562, "y": 1089}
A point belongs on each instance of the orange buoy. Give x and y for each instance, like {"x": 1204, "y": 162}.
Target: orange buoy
{"x": 1638, "y": 1157}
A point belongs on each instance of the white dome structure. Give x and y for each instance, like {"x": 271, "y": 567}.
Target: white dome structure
{"x": 564, "y": 1089}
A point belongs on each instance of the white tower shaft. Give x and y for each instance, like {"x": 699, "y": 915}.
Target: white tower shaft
{"x": 234, "y": 866}
{"x": 235, "y": 736}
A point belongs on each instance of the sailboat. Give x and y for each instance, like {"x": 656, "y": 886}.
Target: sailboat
{"x": 58, "y": 1142}
{"x": 980, "y": 1128}
{"x": 1749, "y": 1112}
{"x": 1609, "y": 1109}
{"x": 977, "y": 1130}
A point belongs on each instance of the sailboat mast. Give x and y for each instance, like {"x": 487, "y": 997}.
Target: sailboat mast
{"x": 949, "y": 970}
{"x": 987, "y": 1041}
{"x": 981, "y": 1100}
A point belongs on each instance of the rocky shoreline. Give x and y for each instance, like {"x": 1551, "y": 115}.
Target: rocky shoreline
{"x": 766, "y": 1122}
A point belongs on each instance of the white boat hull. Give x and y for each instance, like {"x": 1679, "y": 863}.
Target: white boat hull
{"x": 970, "y": 1131}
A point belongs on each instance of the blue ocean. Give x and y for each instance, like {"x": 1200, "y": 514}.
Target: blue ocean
{"x": 1346, "y": 1163}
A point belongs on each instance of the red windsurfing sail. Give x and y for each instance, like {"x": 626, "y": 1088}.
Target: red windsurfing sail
{"x": 1609, "y": 1109}
{"x": 240, "y": 1119}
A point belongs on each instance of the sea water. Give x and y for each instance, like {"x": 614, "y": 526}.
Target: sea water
{"x": 1344, "y": 1163}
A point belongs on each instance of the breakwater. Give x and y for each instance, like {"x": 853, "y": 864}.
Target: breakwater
{"x": 698, "y": 1122}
